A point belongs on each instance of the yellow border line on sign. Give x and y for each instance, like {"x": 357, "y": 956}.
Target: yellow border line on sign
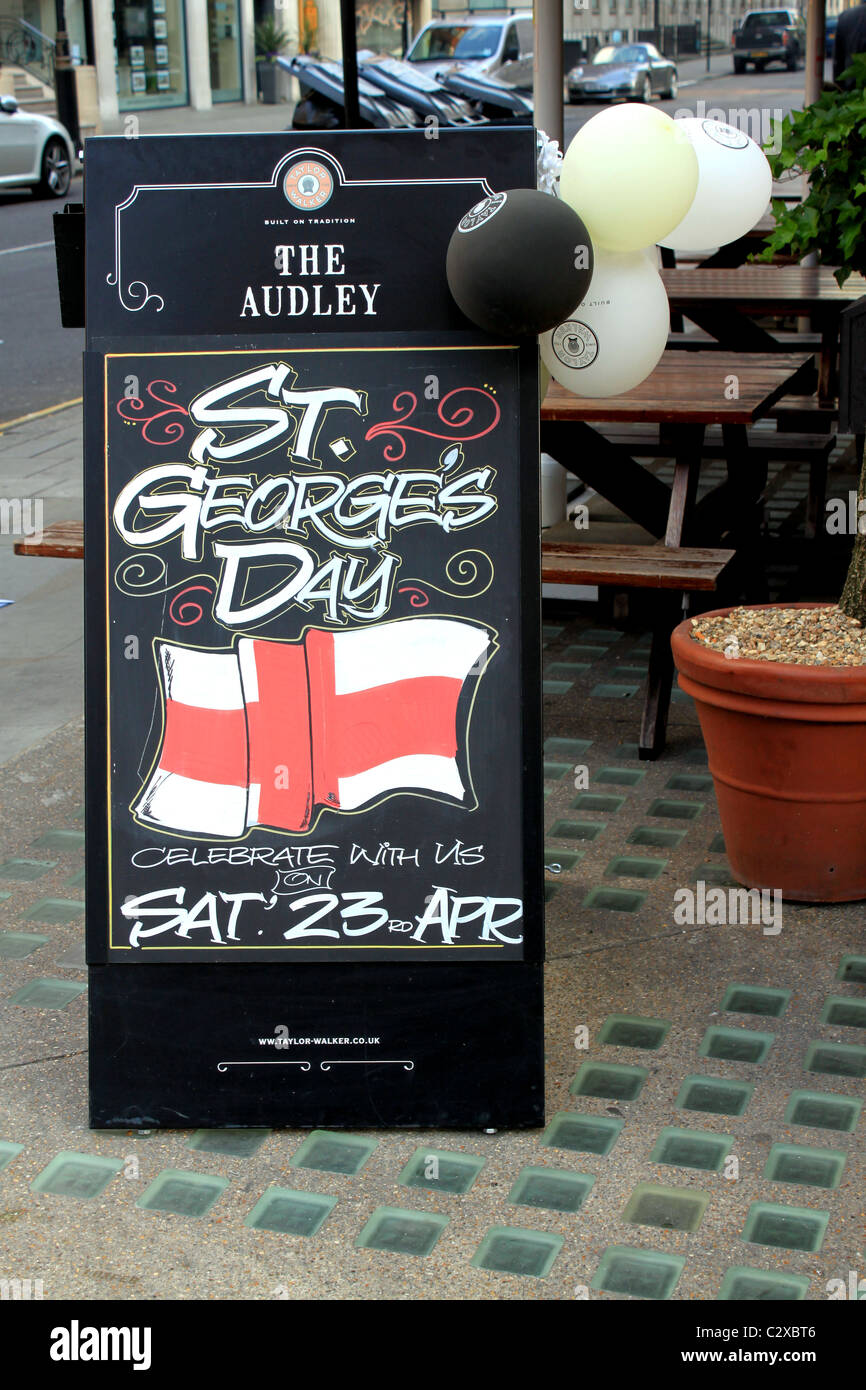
{"x": 37, "y": 414}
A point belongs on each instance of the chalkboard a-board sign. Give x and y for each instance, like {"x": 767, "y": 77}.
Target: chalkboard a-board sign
{"x": 314, "y": 845}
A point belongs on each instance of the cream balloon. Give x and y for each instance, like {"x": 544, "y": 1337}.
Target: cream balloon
{"x": 734, "y": 186}
{"x": 617, "y": 334}
{"x": 631, "y": 174}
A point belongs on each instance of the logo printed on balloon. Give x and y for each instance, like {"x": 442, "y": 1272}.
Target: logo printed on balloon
{"x": 308, "y": 185}
{"x": 575, "y": 344}
{"x": 482, "y": 212}
{"x": 726, "y": 135}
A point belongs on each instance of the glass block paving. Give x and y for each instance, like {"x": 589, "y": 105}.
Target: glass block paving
{"x": 235, "y": 1143}
{"x": 689, "y": 782}
{"x": 592, "y": 801}
{"x": 671, "y": 1208}
{"x": 847, "y": 1013}
{"x": 513, "y": 1250}
{"x": 607, "y": 690}
{"x": 567, "y": 670}
{"x": 600, "y": 634}
{"x": 627, "y": 750}
{"x": 626, "y": 1030}
{"x": 577, "y": 829}
{"x": 641, "y": 1273}
{"x": 556, "y": 687}
{"x": 751, "y": 999}
{"x": 60, "y": 841}
{"x": 554, "y": 772}
{"x": 656, "y": 837}
{"x": 333, "y": 1153}
{"x": 692, "y": 1148}
{"x": 633, "y": 673}
{"x": 675, "y": 810}
{"x": 403, "y": 1232}
{"x": 619, "y": 776}
{"x": 714, "y": 1096}
{"x": 550, "y": 630}
{"x": 609, "y": 1080}
{"x": 47, "y": 994}
{"x": 572, "y": 748}
{"x": 76, "y": 1175}
{"x": 73, "y": 959}
{"x": 182, "y": 1194}
{"x": 835, "y": 1059}
{"x": 4, "y": 896}
{"x": 290, "y": 1213}
{"x": 736, "y": 1044}
{"x": 788, "y": 1228}
{"x": 585, "y": 651}
{"x": 628, "y": 866}
{"x": 742, "y": 1284}
{"x": 561, "y": 860}
{"x": 77, "y": 879}
{"x": 441, "y": 1170}
{"x": 821, "y": 1111}
{"x": 55, "y": 911}
{"x": 15, "y": 945}
{"x": 550, "y": 891}
{"x": 798, "y": 1164}
{"x": 551, "y": 1188}
{"x": 8, "y": 1152}
{"x": 719, "y": 875}
{"x": 716, "y": 845}
{"x": 590, "y": 1134}
{"x": 852, "y": 969}
{"x": 25, "y": 870}
{"x": 615, "y": 899}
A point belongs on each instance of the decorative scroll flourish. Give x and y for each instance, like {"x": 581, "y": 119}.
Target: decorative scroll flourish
{"x": 417, "y": 596}
{"x": 130, "y": 409}
{"x": 135, "y": 290}
{"x": 470, "y": 571}
{"x": 224, "y": 1066}
{"x": 190, "y": 612}
{"x": 368, "y": 1062}
{"x": 459, "y": 419}
{"x": 142, "y": 575}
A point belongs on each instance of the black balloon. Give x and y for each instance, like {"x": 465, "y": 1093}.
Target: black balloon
{"x": 519, "y": 262}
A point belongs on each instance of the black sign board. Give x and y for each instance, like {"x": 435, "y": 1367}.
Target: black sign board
{"x": 312, "y": 595}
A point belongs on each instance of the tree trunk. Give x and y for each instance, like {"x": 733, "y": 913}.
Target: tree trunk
{"x": 853, "y": 600}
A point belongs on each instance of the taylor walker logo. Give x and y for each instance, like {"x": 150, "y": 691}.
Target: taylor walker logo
{"x": 575, "y": 344}
{"x": 482, "y": 212}
{"x": 729, "y": 907}
{"x": 77, "y": 1343}
{"x": 308, "y": 185}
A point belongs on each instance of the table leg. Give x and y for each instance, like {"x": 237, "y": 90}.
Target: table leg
{"x": 747, "y": 478}
{"x": 688, "y": 442}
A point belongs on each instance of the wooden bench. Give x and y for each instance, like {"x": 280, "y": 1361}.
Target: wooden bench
{"x": 814, "y": 449}
{"x": 679, "y": 570}
{"x": 63, "y": 540}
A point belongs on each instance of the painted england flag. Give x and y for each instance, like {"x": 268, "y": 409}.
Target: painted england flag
{"x": 268, "y": 732}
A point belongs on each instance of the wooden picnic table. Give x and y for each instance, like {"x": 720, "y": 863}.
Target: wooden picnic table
{"x": 724, "y": 303}
{"x": 683, "y": 395}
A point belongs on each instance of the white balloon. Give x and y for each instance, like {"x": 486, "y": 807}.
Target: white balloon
{"x": 616, "y": 335}
{"x": 734, "y": 186}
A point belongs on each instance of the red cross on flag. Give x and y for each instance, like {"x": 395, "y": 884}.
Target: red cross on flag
{"x": 265, "y": 733}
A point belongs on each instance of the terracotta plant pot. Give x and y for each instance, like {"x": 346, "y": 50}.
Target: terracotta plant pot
{"x": 787, "y": 751}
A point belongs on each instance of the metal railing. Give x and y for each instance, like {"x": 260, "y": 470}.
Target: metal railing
{"x": 23, "y": 45}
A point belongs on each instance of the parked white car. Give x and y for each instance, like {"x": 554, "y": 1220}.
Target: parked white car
{"x": 34, "y": 150}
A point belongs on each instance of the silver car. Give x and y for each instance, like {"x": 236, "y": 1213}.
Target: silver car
{"x": 34, "y": 150}
{"x": 636, "y": 71}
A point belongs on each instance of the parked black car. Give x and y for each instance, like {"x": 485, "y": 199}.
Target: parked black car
{"x": 769, "y": 36}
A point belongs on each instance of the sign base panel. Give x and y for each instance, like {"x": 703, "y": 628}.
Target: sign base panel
{"x": 438, "y": 1046}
